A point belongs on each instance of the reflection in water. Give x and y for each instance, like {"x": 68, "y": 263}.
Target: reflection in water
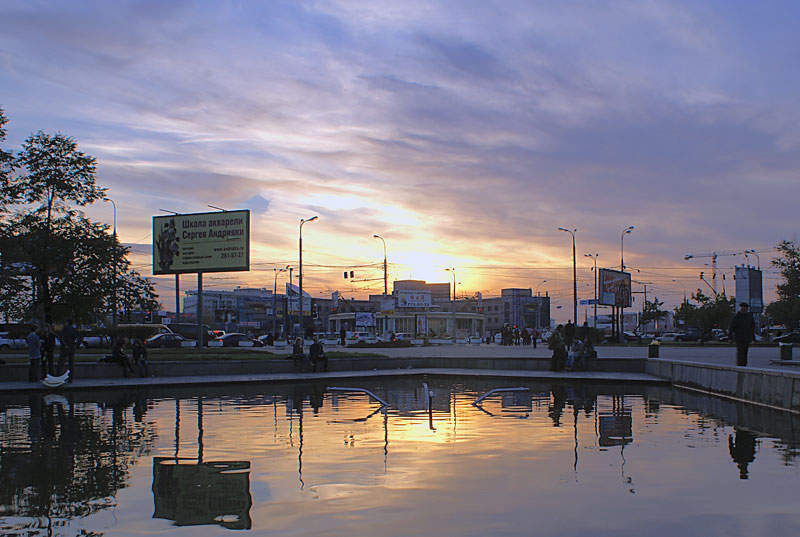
{"x": 742, "y": 449}
{"x": 202, "y": 493}
{"x": 582, "y": 443}
{"x": 61, "y": 460}
{"x": 195, "y": 492}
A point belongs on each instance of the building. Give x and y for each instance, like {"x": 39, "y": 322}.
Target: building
{"x": 516, "y": 307}
{"x": 421, "y": 309}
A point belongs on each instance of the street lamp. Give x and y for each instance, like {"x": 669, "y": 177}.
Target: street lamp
{"x": 758, "y": 260}
{"x": 621, "y": 326}
{"x": 453, "y": 270}
{"x": 274, "y": 300}
{"x": 385, "y": 275}
{"x": 114, "y": 268}
{"x": 626, "y": 231}
{"x": 574, "y": 276}
{"x": 684, "y": 289}
{"x": 540, "y": 284}
{"x": 594, "y": 258}
{"x": 302, "y": 221}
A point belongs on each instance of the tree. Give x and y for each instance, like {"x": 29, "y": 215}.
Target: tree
{"x": 651, "y": 312}
{"x": 710, "y": 312}
{"x": 54, "y": 258}
{"x": 57, "y": 173}
{"x": 6, "y": 160}
{"x": 786, "y": 310}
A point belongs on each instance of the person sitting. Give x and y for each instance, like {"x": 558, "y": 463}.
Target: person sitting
{"x": 118, "y": 355}
{"x": 317, "y": 354}
{"x": 301, "y": 362}
{"x": 575, "y": 357}
{"x": 140, "y": 357}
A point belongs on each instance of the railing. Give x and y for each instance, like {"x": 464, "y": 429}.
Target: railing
{"x": 362, "y": 390}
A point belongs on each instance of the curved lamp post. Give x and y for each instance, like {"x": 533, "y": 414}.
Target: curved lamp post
{"x": 385, "y": 274}
{"x": 574, "y": 276}
{"x": 627, "y": 231}
{"x": 302, "y": 221}
{"x": 274, "y": 299}
{"x": 114, "y": 268}
{"x": 594, "y": 258}
{"x": 453, "y": 270}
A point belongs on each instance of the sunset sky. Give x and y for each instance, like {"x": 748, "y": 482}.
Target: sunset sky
{"x": 464, "y": 133}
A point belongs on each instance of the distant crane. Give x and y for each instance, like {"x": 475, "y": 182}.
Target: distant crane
{"x": 713, "y": 256}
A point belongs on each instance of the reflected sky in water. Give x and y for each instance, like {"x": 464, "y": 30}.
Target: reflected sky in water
{"x": 303, "y": 459}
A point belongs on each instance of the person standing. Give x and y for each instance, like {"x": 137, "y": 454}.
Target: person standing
{"x": 48, "y": 350}
{"x": 569, "y": 334}
{"x": 742, "y": 330}
{"x": 70, "y": 337}
{"x": 34, "y": 354}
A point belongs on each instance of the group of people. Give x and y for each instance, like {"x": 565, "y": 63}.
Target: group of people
{"x": 570, "y": 352}
{"x": 42, "y": 347}
{"x": 42, "y": 342}
{"x": 514, "y": 336}
{"x": 315, "y": 360}
{"x": 137, "y": 358}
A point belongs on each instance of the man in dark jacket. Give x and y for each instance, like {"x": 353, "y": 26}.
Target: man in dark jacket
{"x": 742, "y": 330}
{"x": 70, "y": 338}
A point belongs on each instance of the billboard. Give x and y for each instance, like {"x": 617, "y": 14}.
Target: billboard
{"x": 365, "y": 318}
{"x": 749, "y": 288}
{"x": 414, "y": 299}
{"x": 614, "y": 288}
{"x": 201, "y": 242}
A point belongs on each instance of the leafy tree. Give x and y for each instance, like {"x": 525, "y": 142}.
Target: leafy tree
{"x": 786, "y": 310}
{"x": 54, "y": 258}
{"x": 710, "y": 312}
{"x": 57, "y": 173}
{"x": 6, "y": 159}
{"x": 651, "y": 312}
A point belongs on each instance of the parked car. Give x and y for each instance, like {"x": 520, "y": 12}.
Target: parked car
{"x": 791, "y": 337}
{"x": 669, "y": 336}
{"x": 235, "y": 339}
{"x": 9, "y": 342}
{"x": 163, "y": 341}
{"x": 691, "y": 333}
{"x": 403, "y": 336}
{"x": 95, "y": 341}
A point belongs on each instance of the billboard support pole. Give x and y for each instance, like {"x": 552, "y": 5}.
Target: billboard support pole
{"x": 177, "y": 298}
{"x": 200, "y": 310}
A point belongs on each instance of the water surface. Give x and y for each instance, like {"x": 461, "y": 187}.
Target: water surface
{"x": 303, "y": 459}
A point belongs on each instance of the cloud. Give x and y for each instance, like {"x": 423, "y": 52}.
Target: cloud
{"x": 472, "y": 132}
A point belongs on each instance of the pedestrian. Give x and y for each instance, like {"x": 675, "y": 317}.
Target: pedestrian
{"x": 569, "y": 334}
{"x": 34, "y": 354}
{"x": 70, "y": 338}
{"x": 48, "y": 350}
{"x": 742, "y": 330}
{"x": 343, "y": 336}
{"x": 556, "y": 344}
{"x": 139, "y": 351}
{"x": 534, "y": 336}
{"x": 317, "y": 354}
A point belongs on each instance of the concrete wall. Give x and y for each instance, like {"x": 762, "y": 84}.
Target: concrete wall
{"x": 780, "y": 389}
{"x": 87, "y": 370}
